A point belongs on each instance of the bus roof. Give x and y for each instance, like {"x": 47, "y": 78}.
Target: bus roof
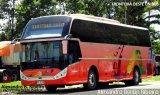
{"x": 93, "y": 18}
{"x": 97, "y": 19}
{"x": 103, "y": 20}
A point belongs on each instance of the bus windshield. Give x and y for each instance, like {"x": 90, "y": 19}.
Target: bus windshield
{"x": 44, "y": 30}
{"x": 46, "y": 27}
{"x": 41, "y": 55}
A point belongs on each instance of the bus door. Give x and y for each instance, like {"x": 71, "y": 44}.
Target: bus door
{"x": 73, "y": 58}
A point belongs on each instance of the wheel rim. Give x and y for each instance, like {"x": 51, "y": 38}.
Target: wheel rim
{"x": 92, "y": 79}
{"x": 5, "y": 77}
{"x": 136, "y": 76}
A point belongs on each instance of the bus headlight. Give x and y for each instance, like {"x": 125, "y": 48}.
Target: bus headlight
{"x": 23, "y": 76}
{"x": 61, "y": 74}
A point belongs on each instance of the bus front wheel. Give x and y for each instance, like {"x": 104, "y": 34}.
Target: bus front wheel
{"x": 51, "y": 88}
{"x": 92, "y": 81}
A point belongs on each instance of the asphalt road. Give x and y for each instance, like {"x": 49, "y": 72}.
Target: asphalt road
{"x": 145, "y": 88}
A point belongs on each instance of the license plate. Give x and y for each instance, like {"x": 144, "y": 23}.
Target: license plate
{"x": 40, "y": 82}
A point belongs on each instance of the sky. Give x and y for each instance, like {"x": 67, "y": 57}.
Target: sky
{"x": 156, "y": 26}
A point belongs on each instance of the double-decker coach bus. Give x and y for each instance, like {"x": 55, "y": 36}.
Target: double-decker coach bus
{"x": 62, "y": 50}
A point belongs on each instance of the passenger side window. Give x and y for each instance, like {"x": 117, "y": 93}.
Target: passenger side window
{"x": 74, "y": 52}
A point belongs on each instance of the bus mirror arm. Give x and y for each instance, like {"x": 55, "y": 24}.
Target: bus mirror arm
{"x": 68, "y": 36}
{"x": 15, "y": 40}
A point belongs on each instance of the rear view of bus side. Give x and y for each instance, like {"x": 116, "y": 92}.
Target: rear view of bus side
{"x": 80, "y": 49}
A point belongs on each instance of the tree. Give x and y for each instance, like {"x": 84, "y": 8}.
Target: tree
{"x": 89, "y": 7}
{"x": 134, "y": 15}
{"x": 5, "y": 12}
{"x": 153, "y": 18}
{"x": 156, "y": 47}
{"x": 3, "y": 37}
{"x": 7, "y": 15}
{"x": 4, "y": 8}
{"x": 28, "y": 9}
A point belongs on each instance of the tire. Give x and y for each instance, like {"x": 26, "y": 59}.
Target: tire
{"x": 155, "y": 72}
{"x": 6, "y": 76}
{"x": 14, "y": 77}
{"x": 51, "y": 88}
{"x": 92, "y": 81}
{"x": 136, "y": 78}
{"x": 1, "y": 77}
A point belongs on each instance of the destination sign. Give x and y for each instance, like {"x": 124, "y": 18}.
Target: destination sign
{"x": 50, "y": 25}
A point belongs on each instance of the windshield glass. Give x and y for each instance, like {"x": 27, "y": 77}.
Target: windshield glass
{"x": 46, "y": 27}
{"x": 41, "y": 55}
{"x": 44, "y": 30}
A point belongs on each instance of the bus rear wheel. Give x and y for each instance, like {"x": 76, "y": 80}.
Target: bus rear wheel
{"x": 136, "y": 78}
{"x": 92, "y": 81}
{"x": 51, "y": 88}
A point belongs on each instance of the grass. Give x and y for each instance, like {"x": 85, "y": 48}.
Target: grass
{"x": 16, "y": 87}
{"x": 154, "y": 78}
{"x": 4, "y": 86}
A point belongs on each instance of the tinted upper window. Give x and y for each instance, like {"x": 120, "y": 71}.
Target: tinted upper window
{"x": 44, "y": 27}
{"x": 89, "y": 31}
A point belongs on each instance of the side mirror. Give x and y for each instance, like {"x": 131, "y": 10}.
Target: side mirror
{"x": 65, "y": 46}
{"x": 15, "y": 40}
{"x": 157, "y": 58}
